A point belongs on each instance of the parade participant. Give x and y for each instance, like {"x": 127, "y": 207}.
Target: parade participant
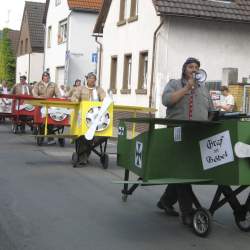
{"x": 89, "y": 92}
{"x": 46, "y": 89}
{"x": 4, "y": 102}
{"x": 22, "y": 88}
{"x": 74, "y": 88}
{"x": 185, "y": 99}
{"x": 4, "y": 89}
{"x": 226, "y": 100}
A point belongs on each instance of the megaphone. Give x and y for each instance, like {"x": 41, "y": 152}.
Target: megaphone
{"x": 200, "y": 76}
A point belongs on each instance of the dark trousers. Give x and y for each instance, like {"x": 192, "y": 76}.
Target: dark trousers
{"x": 179, "y": 192}
{"x": 84, "y": 147}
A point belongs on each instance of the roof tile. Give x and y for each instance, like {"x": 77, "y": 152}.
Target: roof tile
{"x": 35, "y": 13}
{"x": 234, "y": 10}
{"x": 85, "y": 4}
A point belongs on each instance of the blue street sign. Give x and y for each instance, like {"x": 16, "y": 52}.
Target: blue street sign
{"x": 94, "y": 57}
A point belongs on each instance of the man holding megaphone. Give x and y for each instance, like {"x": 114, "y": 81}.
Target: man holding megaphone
{"x": 185, "y": 99}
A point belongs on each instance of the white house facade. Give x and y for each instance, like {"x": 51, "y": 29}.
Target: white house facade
{"x": 216, "y": 44}
{"x": 127, "y": 50}
{"x": 219, "y": 39}
{"x": 70, "y": 49}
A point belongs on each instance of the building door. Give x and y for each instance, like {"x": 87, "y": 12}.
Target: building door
{"x": 60, "y": 75}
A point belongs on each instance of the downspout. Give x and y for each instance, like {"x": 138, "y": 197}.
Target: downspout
{"x": 153, "y": 64}
{"x": 100, "y": 59}
{"x": 29, "y": 69}
{"x": 45, "y": 43}
{"x": 67, "y": 47}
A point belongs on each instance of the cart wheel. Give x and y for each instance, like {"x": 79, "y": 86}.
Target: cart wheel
{"x": 14, "y": 128}
{"x": 22, "y": 128}
{"x": 105, "y": 161}
{"x": 61, "y": 142}
{"x": 242, "y": 220}
{"x": 124, "y": 197}
{"x": 39, "y": 141}
{"x": 202, "y": 222}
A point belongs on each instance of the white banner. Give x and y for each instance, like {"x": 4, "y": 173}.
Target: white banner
{"x": 216, "y": 150}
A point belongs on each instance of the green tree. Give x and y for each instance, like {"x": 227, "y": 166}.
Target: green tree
{"x": 7, "y": 59}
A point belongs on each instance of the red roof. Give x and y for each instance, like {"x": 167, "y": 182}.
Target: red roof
{"x": 85, "y": 4}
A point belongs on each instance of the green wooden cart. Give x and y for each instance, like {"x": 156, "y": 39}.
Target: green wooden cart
{"x": 194, "y": 152}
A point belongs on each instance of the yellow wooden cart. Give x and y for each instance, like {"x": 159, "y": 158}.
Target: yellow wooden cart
{"x": 82, "y": 116}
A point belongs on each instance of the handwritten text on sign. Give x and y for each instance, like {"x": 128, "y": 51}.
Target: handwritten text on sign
{"x": 216, "y": 150}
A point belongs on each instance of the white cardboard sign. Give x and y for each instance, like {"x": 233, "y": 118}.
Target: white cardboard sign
{"x": 177, "y": 134}
{"x": 216, "y": 150}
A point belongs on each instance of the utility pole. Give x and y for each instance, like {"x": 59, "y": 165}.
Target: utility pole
{"x": 8, "y": 19}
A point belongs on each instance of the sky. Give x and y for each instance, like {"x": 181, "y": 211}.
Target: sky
{"x": 15, "y": 10}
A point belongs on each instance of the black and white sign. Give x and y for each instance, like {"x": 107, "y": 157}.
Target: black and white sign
{"x": 216, "y": 150}
{"x": 121, "y": 131}
{"x": 138, "y": 154}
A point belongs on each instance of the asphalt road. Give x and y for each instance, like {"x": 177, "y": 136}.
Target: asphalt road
{"x": 45, "y": 204}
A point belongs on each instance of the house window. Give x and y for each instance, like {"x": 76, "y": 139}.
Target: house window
{"x": 113, "y": 74}
{"x": 143, "y": 73}
{"x": 49, "y": 37}
{"x": 21, "y": 48}
{"x": 134, "y": 8}
{"x": 123, "y": 10}
{"x": 127, "y": 74}
{"x": 62, "y": 34}
{"x": 26, "y": 45}
{"x": 57, "y": 2}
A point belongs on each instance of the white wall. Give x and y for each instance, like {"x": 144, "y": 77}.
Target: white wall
{"x": 29, "y": 65}
{"x": 55, "y": 55}
{"x": 216, "y": 44}
{"x": 130, "y": 38}
{"x": 22, "y": 66}
{"x": 81, "y": 45}
{"x": 36, "y": 66}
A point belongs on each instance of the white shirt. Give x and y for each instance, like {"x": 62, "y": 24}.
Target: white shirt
{"x": 62, "y": 92}
{"x": 5, "y": 90}
{"x": 227, "y": 100}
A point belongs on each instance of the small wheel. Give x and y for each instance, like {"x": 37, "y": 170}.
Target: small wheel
{"x": 202, "y": 222}
{"x": 124, "y": 197}
{"x": 242, "y": 220}
{"x": 74, "y": 158}
{"x": 61, "y": 142}
{"x": 105, "y": 161}
{"x": 39, "y": 141}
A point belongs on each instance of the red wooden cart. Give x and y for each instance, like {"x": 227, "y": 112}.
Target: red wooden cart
{"x": 21, "y": 114}
{"x": 51, "y": 121}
